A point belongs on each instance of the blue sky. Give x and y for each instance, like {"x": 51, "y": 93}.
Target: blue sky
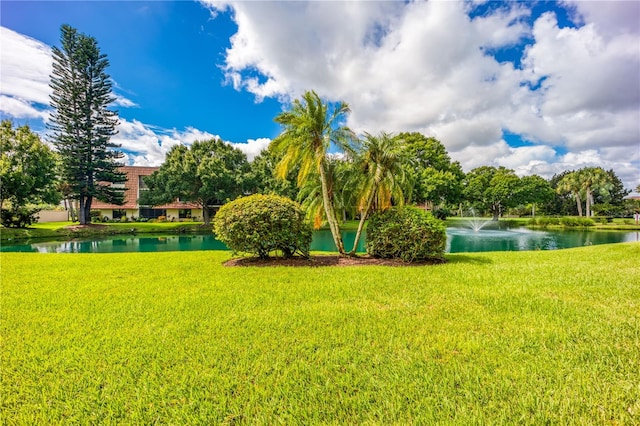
{"x": 539, "y": 87}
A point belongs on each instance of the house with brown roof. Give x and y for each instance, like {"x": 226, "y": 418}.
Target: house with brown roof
{"x": 131, "y": 209}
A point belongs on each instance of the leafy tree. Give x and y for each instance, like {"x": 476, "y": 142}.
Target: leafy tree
{"x": 27, "y": 168}
{"x": 310, "y": 128}
{"x": 612, "y": 200}
{"x": 379, "y": 175}
{"x": 207, "y": 173}
{"x": 562, "y": 203}
{"x": 83, "y": 124}
{"x": 264, "y": 179}
{"x": 436, "y": 179}
{"x": 492, "y": 189}
{"x": 535, "y": 190}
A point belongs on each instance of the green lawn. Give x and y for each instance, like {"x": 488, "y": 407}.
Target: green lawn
{"x": 548, "y": 337}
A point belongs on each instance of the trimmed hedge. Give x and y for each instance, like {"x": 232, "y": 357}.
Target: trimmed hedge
{"x": 406, "y": 233}
{"x": 261, "y": 224}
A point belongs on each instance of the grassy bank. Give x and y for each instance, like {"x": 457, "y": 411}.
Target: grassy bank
{"x": 67, "y": 230}
{"x": 547, "y": 337}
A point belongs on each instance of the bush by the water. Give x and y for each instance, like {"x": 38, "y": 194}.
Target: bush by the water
{"x": 567, "y": 221}
{"x": 18, "y": 217}
{"x": 406, "y": 233}
{"x": 261, "y": 224}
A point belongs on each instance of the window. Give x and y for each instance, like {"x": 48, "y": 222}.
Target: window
{"x": 184, "y": 214}
{"x": 150, "y": 213}
{"x": 117, "y": 214}
{"x": 141, "y": 184}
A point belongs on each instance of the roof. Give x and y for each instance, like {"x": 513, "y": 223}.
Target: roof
{"x": 632, "y": 196}
{"x": 132, "y": 192}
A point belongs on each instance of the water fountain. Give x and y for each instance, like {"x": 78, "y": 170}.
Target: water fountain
{"x": 477, "y": 223}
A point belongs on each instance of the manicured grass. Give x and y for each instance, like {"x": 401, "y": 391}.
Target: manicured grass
{"x": 549, "y": 337}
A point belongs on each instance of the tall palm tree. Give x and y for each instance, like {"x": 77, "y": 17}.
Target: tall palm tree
{"x": 380, "y": 176}
{"x": 310, "y": 128}
{"x": 571, "y": 183}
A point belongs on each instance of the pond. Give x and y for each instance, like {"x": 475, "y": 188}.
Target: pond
{"x": 458, "y": 240}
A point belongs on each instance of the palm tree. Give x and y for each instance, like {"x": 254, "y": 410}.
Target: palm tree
{"x": 571, "y": 183}
{"x": 593, "y": 179}
{"x": 379, "y": 175}
{"x": 309, "y": 130}
{"x": 310, "y": 194}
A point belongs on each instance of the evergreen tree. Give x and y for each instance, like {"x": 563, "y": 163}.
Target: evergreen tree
{"x": 82, "y": 124}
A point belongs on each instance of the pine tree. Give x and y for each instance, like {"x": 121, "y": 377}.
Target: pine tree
{"x": 82, "y": 124}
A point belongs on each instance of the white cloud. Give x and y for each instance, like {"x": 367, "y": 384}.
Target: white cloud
{"x": 147, "y": 145}
{"x": 123, "y": 102}
{"x": 611, "y": 18}
{"x": 422, "y": 66}
{"x": 252, "y": 147}
{"x": 25, "y": 70}
{"x": 25, "y": 66}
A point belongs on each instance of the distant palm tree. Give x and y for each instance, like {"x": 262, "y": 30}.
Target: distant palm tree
{"x": 593, "y": 179}
{"x": 309, "y": 130}
{"x": 379, "y": 173}
{"x": 571, "y": 183}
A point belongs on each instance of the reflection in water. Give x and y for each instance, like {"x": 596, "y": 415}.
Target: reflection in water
{"x": 458, "y": 240}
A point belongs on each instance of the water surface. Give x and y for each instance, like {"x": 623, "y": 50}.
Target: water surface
{"x": 458, "y": 240}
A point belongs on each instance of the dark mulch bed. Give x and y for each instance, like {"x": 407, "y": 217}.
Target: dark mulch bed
{"x": 329, "y": 260}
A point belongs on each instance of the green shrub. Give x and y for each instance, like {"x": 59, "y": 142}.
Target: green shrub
{"x": 547, "y": 221}
{"x": 406, "y": 233}
{"x": 260, "y": 224}
{"x": 572, "y": 221}
{"x": 18, "y": 217}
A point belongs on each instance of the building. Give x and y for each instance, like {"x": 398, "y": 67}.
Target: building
{"x": 131, "y": 209}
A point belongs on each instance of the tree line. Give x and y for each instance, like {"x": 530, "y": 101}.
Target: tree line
{"x": 317, "y": 160}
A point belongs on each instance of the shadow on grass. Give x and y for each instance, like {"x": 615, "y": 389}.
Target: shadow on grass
{"x": 474, "y": 259}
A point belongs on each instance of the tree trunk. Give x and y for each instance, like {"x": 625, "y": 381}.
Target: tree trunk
{"x": 81, "y": 216}
{"x": 588, "y": 202}
{"x": 329, "y": 211}
{"x": 87, "y": 210}
{"x": 579, "y": 203}
{"x": 365, "y": 213}
{"x": 496, "y": 212}
{"x": 363, "y": 218}
{"x": 206, "y": 214}
{"x": 73, "y": 210}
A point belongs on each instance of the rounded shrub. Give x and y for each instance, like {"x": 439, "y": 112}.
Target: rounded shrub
{"x": 406, "y": 233}
{"x": 261, "y": 224}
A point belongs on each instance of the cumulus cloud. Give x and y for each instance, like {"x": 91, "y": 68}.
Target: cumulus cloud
{"x": 427, "y": 66}
{"x": 25, "y": 70}
{"x": 25, "y": 66}
{"x": 147, "y": 145}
